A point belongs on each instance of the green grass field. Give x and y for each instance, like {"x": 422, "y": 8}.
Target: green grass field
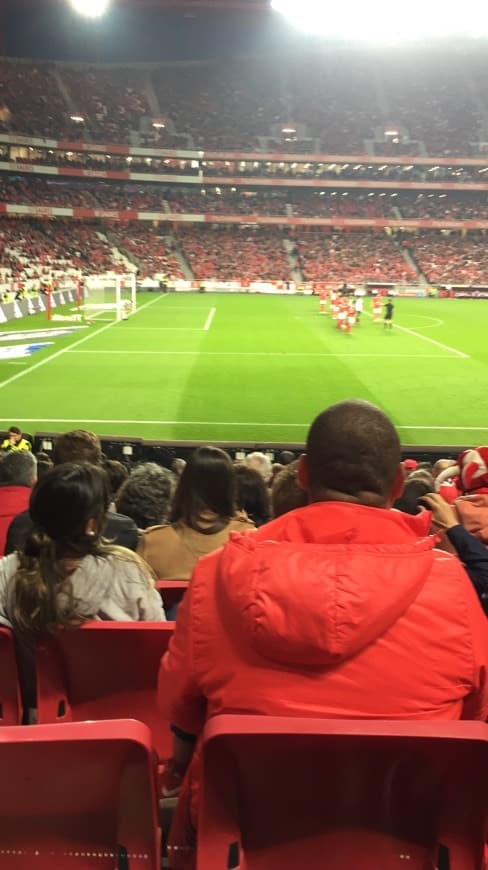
{"x": 254, "y": 368}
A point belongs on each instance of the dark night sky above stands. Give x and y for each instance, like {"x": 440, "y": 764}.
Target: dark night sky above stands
{"x": 49, "y": 29}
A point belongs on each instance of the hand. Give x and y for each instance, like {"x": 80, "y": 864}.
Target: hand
{"x": 443, "y": 514}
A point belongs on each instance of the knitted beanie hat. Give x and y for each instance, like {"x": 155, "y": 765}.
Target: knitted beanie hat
{"x": 471, "y": 469}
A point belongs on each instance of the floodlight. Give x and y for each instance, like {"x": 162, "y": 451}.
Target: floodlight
{"x": 379, "y": 21}
{"x": 90, "y": 8}
{"x": 78, "y": 119}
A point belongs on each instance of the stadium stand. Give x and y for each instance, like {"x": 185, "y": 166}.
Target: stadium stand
{"x": 248, "y": 254}
{"x": 31, "y": 101}
{"x": 431, "y": 99}
{"x": 132, "y": 196}
{"x": 351, "y": 257}
{"x": 343, "y": 103}
{"x": 225, "y": 201}
{"x": 112, "y": 101}
{"x": 222, "y": 106}
{"x": 149, "y": 247}
{"x": 247, "y": 104}
{"x": 31, "y": 248}
{"x": 450, "y": 258}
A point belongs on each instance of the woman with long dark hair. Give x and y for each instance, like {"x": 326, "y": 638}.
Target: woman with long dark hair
{"x": 66, "y": 572}
{"x": 203, "y": 516}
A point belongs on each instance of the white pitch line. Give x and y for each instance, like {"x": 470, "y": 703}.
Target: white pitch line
{"x": 64, "y": 350}
{"x": 267, "y": 353}
{"x": 458, "y": 353}
{"x": 426, "y": 338}
{"x": 209, "y": 319}
{"x": 226, "y": 423}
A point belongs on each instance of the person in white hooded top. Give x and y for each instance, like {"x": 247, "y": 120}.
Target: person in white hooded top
{"x": 66, "y": 572}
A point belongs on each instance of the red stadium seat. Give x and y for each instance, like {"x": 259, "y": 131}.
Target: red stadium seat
{"x": 79, "y": 795}
{"x": 376, "y": 795}
{"x": 10, "y": 702}
{"x": 104, "y": 670}
{"x": 172, "y": 592}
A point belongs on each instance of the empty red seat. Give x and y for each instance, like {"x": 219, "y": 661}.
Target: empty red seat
{"x": 80, "y": 796}
{"x": 376, "y": 795}
{"x": 104, "y": 670}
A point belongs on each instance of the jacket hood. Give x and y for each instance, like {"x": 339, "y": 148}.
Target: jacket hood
{"x": 316, "y": 586}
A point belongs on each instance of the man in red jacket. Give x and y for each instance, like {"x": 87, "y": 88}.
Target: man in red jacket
{"x": 18, "y": 473}
{"x": 339, "y": 609}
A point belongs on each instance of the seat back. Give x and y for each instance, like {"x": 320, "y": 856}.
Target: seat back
{"x": 287, "y": 793}
{"x": 104, "y": 670}
{"x": 78, "y": 795}
{"x": 10, "y": 702}
{"x": 172, "y": 592}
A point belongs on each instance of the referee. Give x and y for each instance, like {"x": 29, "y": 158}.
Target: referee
{"x": 389, "y": 309}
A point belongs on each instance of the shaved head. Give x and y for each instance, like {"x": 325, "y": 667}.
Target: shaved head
{"x": 441, "y": 465}
{"x": 353, "y": 454}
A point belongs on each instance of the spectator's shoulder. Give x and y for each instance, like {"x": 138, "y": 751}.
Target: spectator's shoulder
{"x": 153, "y": 529}
{"x": 117, "y": 519}
{"x": 121, "y": 530}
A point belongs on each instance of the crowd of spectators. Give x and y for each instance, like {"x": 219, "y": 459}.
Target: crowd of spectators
{"x": 353, "y": 257}
{"x": 32, "y": 103}
{"x": 335, "y": 103}
{"x": 134, "y": 196}
{"x": 38, "y": 249}
{"x": 225, "y": 201}
{"x": 423, "y": 527}
{"x": 429, "y": 96}
{"x": 444, "y": 206}
{"x": 450, "y": 257}
{"x": 242, "y": 254}
{"x": 34, "y": 248}
{"x": 343, "y": 204}
{"x": 148, "y": 246}
{"x": 112, "y": 102}
{"x": 336, "y": 99}
{"x": 222, "y": 105}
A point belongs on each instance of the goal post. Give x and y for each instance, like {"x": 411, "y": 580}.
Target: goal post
{"x": 126, "y": 296}
{"x": 109, "y": 297}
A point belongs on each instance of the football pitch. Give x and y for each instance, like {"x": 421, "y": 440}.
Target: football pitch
{"x": 253, "y": 368}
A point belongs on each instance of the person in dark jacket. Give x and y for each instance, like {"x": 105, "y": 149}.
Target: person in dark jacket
{"x": 471, "y": 551}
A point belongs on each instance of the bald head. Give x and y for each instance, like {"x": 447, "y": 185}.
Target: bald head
{"x": 353, "y": 454}
{"x": 441, "y": 465}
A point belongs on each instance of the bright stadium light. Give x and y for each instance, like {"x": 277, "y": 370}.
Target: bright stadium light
{"x": 380, "y": 20}
{"x": 90, "y": 8}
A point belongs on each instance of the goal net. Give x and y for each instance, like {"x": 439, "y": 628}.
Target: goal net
{"x": 109, "y": 297}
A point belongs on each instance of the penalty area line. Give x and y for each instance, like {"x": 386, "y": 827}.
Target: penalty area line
{"x": 208, "y": 322}
{"x": 64, "y": 350}
{"x": 433, "y": 341}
